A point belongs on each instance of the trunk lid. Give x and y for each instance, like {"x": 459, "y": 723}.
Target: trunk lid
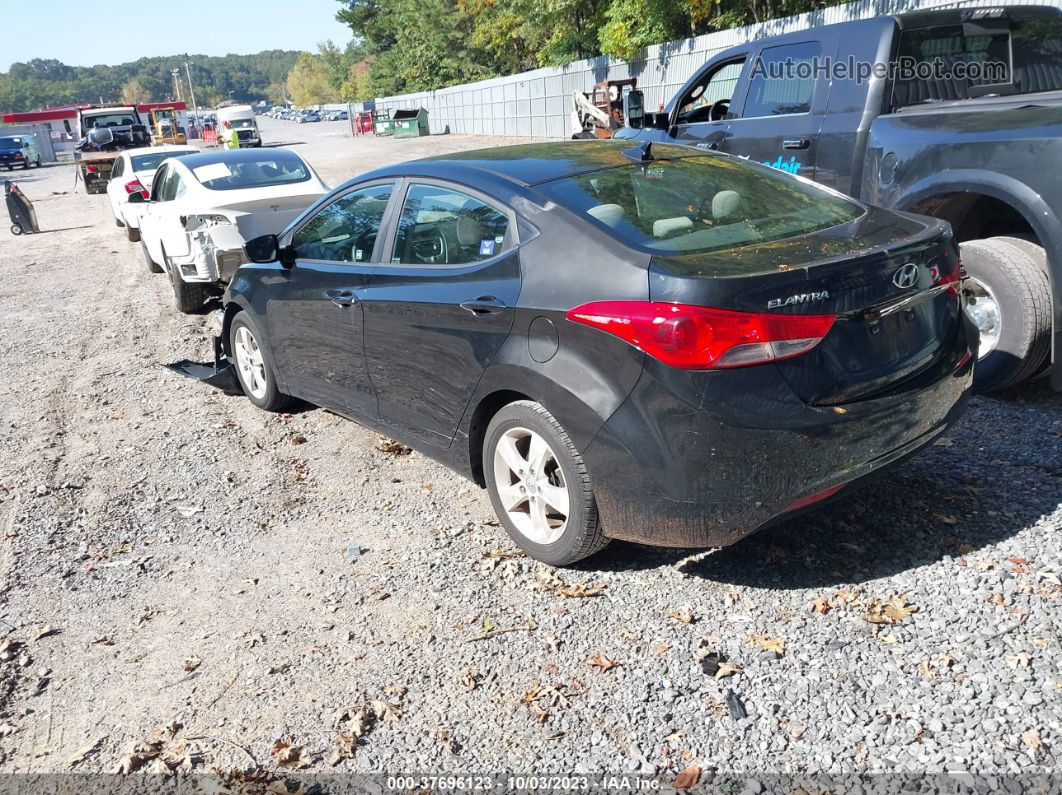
{"x": 268, "y": 215}
{"x": 884, "y": 277}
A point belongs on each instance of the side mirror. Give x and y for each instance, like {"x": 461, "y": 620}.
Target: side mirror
{"x": 267, "y": 249}
{"x": 137, "y": 198}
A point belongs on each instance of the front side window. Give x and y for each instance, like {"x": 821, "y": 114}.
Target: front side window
{"x": 714, "y": 91}
{"x": 699, "y": 204}
{"x": 782, "y": 80}
{"x": 344, "y": 230}
{"x": 442, "y": 226}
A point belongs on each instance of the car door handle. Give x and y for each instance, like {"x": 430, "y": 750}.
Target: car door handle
{"x": 484, "y": 305}
{"x": 796, "y": 143}
{"x": 343, "y": 297}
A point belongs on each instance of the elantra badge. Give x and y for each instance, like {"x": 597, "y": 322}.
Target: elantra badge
{"x": 800, "y": 298}
{"x": 906, "y": 276}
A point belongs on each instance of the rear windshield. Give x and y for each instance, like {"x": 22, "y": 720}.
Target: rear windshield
{"x": 279, "y": 168}
{"x": 969, "y": 60}
{"x": 152, "y": 161}
{"x": 114, "y": 120}
{"x": 697, "y": 204}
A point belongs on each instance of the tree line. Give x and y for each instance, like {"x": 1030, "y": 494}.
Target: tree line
{"x": 42, "y": 82}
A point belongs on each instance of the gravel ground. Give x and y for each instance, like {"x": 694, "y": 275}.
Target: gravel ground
{"x": 175, "y": 576}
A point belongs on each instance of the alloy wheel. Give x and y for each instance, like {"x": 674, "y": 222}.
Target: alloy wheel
{"x": 250, "y": 362}
{"x": 531, "y": 485}
{"x": 983, "y": 309}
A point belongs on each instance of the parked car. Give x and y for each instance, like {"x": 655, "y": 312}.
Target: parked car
{"x": 19, "y": 150}
{"x": 203, "y": 207}
{"x": 652, "y": 343}
{"x": 133, "y": 172}
{"x": 308, "y": 116}
{"x": 971, "y": 151}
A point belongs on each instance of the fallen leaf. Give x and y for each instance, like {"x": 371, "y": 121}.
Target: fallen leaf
{"x": 288, "y": 755}
{"x": 659, "y": 649}
{"x": 191, "y": 663}
{"x": 688, "y": 778}
{"x": 539, "y": 713}
{"x": 298, "y": 439}
{"x": 385, "y": 711}
{"x": 580, "y": 591}
{"x": 777, "y": 645}
{"x": 602, "y": 663}
{"x": 728, "y": 669}
{"x": 1032, "y": 740}
{"x": 894, "y": 611}
{"x": 7, "y": 729}
{"x": 391, "y": 447}
{"x": 821, "y": 606}
{"x": 345, "y": 745}
{"x": 46, "y": 631}
{"x": 470, "y": 679}
{"x": 104, "y": 640}
{"x": 943, "y": 518}
{"x": 683, "y": 617}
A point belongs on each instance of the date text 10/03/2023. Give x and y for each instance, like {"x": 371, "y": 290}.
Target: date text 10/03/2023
{"x": 528, "y": 783}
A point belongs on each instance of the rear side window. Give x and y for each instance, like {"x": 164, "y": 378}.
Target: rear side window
{"x": 699, "y": 204}
{"x": 782, "y": 80}
{"x": 957, "y": 62}
{"x": 442, "y": 226}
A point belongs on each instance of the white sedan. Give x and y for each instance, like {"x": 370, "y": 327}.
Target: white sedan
{"x": 204, "y": 207}
{"x": 133, "y": 172}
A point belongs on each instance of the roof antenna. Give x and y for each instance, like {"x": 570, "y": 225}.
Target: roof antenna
{"x": 642, "y": 153}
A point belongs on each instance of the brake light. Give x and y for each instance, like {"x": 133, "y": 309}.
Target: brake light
{"x": 811, "y": 499}
{"x": 702, "y": 338}
{"x": 91, "y": 169}
{"x": 135, "y": 186}
{"x": 948, "y": 272}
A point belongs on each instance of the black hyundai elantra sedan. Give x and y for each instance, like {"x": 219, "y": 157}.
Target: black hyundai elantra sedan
{"x": 657, "y": 344}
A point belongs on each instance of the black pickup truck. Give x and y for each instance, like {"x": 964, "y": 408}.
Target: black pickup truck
{"x": 951, "y": 113}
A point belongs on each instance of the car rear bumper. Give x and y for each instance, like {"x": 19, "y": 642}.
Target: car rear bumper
{"x": 705, "y": 459}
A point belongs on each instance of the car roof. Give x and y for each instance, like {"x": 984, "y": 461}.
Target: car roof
{"x": 530, "y": 164}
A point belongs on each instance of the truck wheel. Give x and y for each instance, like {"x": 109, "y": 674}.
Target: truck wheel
{"x": 1009, "y": 300}
{"x": 152, "y": 266}
{"x": 539, "y": 486}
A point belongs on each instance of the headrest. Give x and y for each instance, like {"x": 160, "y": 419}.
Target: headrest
{"x": 469, "y": 231}
{"x": 667, "y": 226}
{"x": 725, "y": 203}
{"x": 608, "y": 214}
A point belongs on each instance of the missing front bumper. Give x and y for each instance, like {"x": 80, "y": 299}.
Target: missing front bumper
{"x": 222, "y": 374}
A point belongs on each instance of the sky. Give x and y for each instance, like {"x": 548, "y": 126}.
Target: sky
{"x": 85, "y": 33}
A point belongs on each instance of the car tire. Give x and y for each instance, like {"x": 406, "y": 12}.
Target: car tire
{"x": 254, "y": 365}
{"x": 1009, "y": 299}
{"x": 118, "y": 222}
{"x": 189, "y": 297}
{"x": 152, "y": 266}
{"x": 132, "y": 233}
{"x": 524, "y": 436}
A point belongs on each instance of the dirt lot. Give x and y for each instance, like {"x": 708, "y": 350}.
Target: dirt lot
{"x": 174, "y": 568}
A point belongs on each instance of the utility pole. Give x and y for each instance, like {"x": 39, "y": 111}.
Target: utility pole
{"x": 191, "y": 90}
{"x": 176, "y": 75}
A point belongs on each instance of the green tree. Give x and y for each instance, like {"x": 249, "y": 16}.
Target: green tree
{"x": 133, "y": 93}
{"x": 308, "y": 82}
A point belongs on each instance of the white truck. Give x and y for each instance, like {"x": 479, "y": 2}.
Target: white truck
{"x": 242, "y": 119}
{"x": 104, "y": 133}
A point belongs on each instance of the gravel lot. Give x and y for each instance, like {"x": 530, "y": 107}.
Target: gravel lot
{"x": 175, "y": 576}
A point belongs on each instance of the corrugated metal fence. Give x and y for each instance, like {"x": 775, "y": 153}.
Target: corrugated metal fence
{"x": 538, "y": 103}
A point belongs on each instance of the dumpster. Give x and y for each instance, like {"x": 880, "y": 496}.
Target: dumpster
{"x": 363, "y": 122}
{"x": 410, "y": 123}
{"x": 382, "y": 123}
{"x": 20, "y": 209}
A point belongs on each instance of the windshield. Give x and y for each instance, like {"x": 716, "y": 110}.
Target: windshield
{"x": 243, "y": 124}
{"x": 111, "y": 120}
{"x": 279, "y": 168}
{"x": 697, "y": 204}
{"x": 151, "y": 162}
{"x": 8, "y": 143}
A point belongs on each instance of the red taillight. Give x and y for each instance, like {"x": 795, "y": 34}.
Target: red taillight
{"x": 701, "y": 338}
{"x": 91, "y": 169}
{"x": 135, "y": 186}
{"x": 949, "y": 272}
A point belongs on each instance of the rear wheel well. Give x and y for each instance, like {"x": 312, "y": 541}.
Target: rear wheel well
{"x": 975, "y": 216}
{"x": 477, "y": 429}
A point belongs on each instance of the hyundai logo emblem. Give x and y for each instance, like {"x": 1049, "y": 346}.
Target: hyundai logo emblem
{"x": 906, "y": 276}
